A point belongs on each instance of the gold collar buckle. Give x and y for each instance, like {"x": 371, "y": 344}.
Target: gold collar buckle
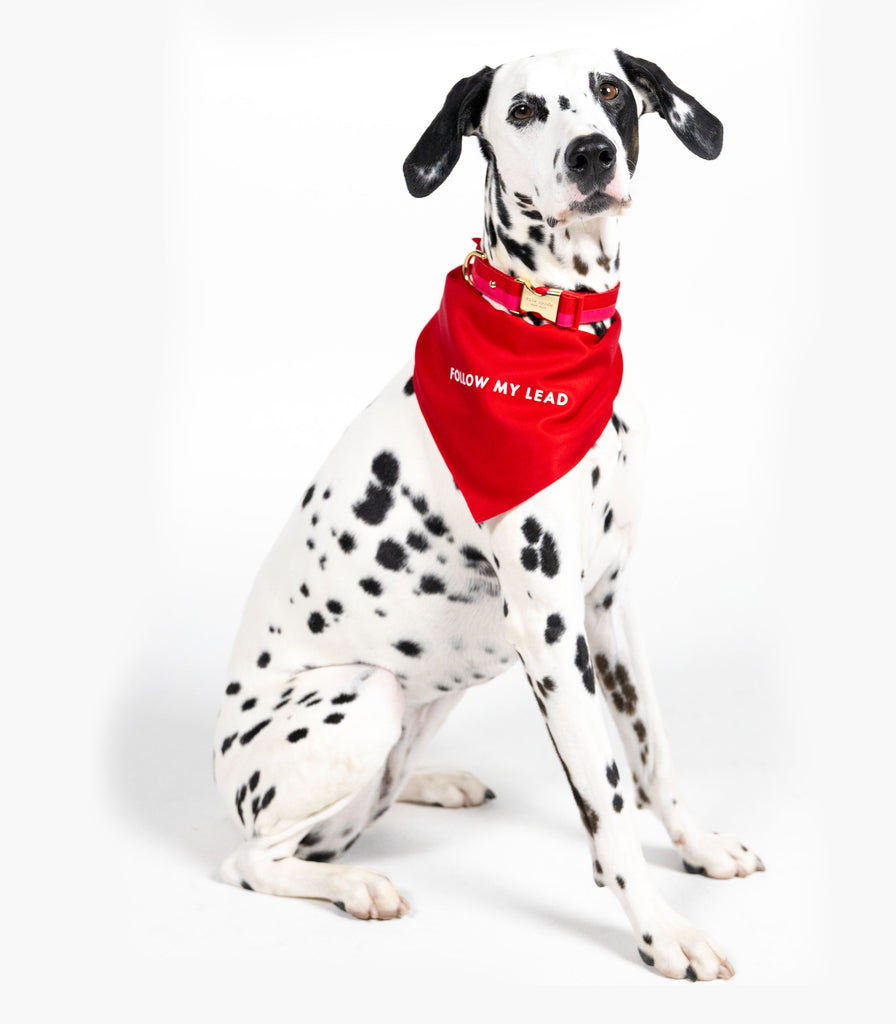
{"x": 546, "y": 306}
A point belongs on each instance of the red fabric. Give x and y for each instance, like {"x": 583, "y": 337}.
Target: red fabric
{"x": 501, "y": 448}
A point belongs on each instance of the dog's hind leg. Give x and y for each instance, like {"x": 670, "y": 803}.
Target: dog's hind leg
{"x": 433, "y": 788}
{"x": 625, "y": 680}
{"x": 292, "y": 758}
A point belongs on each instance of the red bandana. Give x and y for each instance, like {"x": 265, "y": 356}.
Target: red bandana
{"x": 511, "y": 406}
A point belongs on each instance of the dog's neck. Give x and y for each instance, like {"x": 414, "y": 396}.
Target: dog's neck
{"x": 576, "y": 255}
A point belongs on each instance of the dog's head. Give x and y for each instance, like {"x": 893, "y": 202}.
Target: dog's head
{"x": 561, "y": 129}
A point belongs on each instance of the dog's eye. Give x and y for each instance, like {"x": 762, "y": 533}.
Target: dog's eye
{"x": 521, "y": 112}
{"x": 607, "y": 91}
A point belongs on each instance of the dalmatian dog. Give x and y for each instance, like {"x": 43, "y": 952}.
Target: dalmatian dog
{"x": 383, "y": 599}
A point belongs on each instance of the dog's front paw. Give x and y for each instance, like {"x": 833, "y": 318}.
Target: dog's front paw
{"x": 673, "y": 946}
{"x": 718, "y": 856}
{"x": 446, "y": 789}
{"x": 366, "y": 894}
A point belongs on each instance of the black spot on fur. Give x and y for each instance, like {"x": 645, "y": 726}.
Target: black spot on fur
{"x": 249, "y": 704}
{"x": 646, "y": 957}
{"x": 550, "y": 560}
{"x": 385, "y": 468}
{"x": 323, "y": 856}
{"x": 347, "y": 542}
{"x": 529, "y": 558}
{"x": 299, "y": 734}
{"x": 554, "y": 629}
{"x": 418, "y": 502}
{"x": 391, "y": 555}
{"x": 245, "y": 885}
{"x": 334, "y": 719}
{"x": 408, "y": 390}
{"x": 532, "y": 530}
{"x": 228, "y": 742}
{"x": 268, "y": 797}
{"x": 583, "y": 663}
{"x": 408, "y": 647}
{"x": 435, "y": 525}
{"x": 690, "y": 973}
{"x": 524, "y": 253}
{"x": 344, "y": 698}
{"x": 264, "y": 659}
{"x": 647, "y": 938}
{"x": 608, "y": 520}
{"x": 417, "y": 541}
{"x": 617, "y": 803}
{"x": 247, "y": 737}
{"x": 309, "y": 494}
{"x": 620, "y": 881}
{"x": 432, "y": 585}
{"x": 375, "y": 505}
{"x": 595, "y": 476}
{"x": 232, "y": 688}
{"x": 334, "y": 607}
{"x": 316, "y": 622}
{"x": 371, "y": 586}
{"x": 613, "y": 774}
{"x": 587, "y": 813}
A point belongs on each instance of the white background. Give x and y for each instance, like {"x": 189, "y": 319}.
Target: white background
{"x": 197, "y": 196}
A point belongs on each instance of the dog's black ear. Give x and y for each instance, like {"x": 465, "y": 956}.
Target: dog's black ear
{"x": 699, "y": 130}
{"x": 433, "y": 158}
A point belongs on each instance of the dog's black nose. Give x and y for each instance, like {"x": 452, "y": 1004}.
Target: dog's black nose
{"x": 590, "y": 161}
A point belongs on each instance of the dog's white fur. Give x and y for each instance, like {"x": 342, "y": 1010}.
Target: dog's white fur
{"x": 383, "y": 600}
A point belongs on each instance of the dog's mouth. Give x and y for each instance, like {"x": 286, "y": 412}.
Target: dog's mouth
{"x": 612, "y": 197}
{"x": 599, "y": 202}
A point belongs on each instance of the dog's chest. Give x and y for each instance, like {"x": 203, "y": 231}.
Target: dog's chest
{"x": 381, "y": 562}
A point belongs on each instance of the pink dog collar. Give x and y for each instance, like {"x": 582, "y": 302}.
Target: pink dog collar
{"x": 563, "y": 308}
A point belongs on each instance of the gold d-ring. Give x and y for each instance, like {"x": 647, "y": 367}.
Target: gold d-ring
{"x": 469, "y": 257}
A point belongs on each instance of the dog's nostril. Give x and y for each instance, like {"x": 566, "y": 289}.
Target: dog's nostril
{"x": 607, "y": 157}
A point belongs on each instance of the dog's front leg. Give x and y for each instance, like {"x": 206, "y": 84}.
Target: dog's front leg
{"x": 537, "y": 549}
{"x": 623, "y": 674}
